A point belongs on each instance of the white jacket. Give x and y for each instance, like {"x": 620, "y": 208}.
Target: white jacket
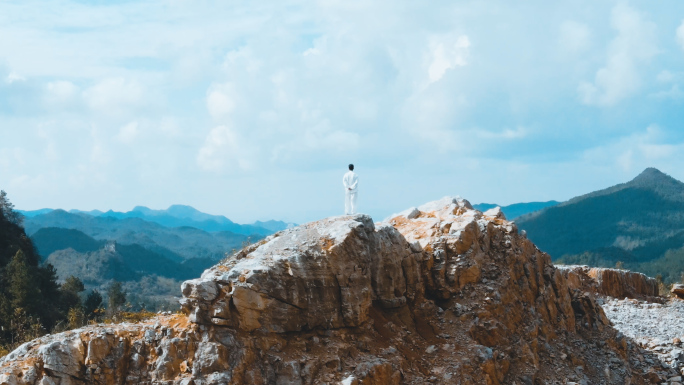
{"x": 350, "y": 181}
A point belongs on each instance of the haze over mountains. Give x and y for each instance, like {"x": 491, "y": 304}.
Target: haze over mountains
{"x": 639, "y": 224}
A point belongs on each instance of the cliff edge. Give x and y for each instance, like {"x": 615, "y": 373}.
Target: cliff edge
{"x": 441, "y": 293}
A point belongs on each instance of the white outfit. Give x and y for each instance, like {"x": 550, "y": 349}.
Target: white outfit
{"x": 351, "y": 184}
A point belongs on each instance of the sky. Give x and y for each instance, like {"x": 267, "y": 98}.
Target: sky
{"x": 253, "y": 110}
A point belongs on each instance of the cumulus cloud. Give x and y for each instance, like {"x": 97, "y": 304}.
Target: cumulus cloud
{"x": 650, "y": 146}
{"x": 319, "y": 138}
{"x": 222, "y": 151}
{"x": 673, "y": 82}
{"x": 221, "y": 101}
{"x": 277, "y": 89}
{"x": 634, "y": 45}
{"x": 446, "y": 53}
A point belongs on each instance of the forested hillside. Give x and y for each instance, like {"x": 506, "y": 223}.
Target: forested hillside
{"x": 150, "y": 252}
{"x": 32, "y": 302}
{"x": 175, "y": 243}
{"x": 638, "y": 225}
{"x": 152, "y": 276}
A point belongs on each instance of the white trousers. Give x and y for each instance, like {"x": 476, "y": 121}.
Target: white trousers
{"x": 350, "y": 202}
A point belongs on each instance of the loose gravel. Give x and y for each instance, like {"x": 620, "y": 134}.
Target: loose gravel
{"x": 656, "y": 327}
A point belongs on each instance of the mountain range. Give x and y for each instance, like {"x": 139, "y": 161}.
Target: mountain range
{"x": 150, "y": 251}
{"x": 181, "y": 216}
{"x": 175, "y": 243}
{"x": 638, "y": 225}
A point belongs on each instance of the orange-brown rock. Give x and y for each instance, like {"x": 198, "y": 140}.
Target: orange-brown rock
{"x": 439, "y": 294}
{"x": 616, "y": 283}
{"x": 678, "y": 290}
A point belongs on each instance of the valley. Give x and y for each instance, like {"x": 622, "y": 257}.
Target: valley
{"x": 149, "y": 251}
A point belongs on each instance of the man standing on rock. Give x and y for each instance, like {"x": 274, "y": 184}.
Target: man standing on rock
{"x": 351, "y": 182}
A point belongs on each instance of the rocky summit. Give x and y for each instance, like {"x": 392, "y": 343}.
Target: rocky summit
{"x": 440, "y": 293}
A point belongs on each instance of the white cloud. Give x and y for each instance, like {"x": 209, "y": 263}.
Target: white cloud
{"x": 574, "y": 37}
{"x": 674, "y": 92}
{"x": 61, "y": 93}
{"x": 14, "y": 77}
{"x": 319, "y": 46}
{"x": 221, "y": 101}
{"x": 634, "y": 46}
{"x": 322, "y": 137}
{"x": 116, "y": 96}
{"x": 222, "y": 151}
{"x": 680, "y": 35}
{"x": 128, "y": 133}
{"x": 673, "y": 81}
{"x": 276, "y": 89}
{"x": 506, "y": 134}
{"x": 630, "y": 153}
{"x": 446, "y": 53}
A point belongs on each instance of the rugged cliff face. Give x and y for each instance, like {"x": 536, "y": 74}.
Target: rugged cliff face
{"x": 611, "y": 282}
{"x": 438, "y": 294}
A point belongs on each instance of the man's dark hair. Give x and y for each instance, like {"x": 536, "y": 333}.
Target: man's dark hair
{"x": 351, "y": 167}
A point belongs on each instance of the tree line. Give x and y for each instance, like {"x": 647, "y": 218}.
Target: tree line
{"x": 32, "y": 302}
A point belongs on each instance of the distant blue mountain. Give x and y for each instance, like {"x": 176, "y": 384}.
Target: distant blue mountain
{"x": 181, "y": 216}
{"x": 517, "y": 209}
{"x": 273, "y": 226}
{"x": 33, "y": 213}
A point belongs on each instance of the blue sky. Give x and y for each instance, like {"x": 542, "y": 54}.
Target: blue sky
{"x": 253, "y": 109}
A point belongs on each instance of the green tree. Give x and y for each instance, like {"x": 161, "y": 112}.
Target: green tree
{"x": 22, "y": 288}
{"x": 5, "y": 319}
{"x": 69, "y": 293}
{"x": 7, "y": 210}
{"x": 76, "y": 317}
{"x": 93, "y": 302}
{"x": 23, "y": 328}
{"x": 116, "y": 296}
{"x": 50, "y": 311}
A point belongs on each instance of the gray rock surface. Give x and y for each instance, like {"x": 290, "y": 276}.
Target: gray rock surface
{"x": 323, "y": 274}
{"x": 658, "y": 328}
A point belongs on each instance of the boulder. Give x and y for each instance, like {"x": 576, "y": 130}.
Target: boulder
{"x": 678, "y": 290}
{"x": 616, "y": 283}
{"x": 324, "y": 274}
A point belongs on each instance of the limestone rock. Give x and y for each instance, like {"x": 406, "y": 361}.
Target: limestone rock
{"x": 611, "y": 282}
{"x": 495, "y": 213}
{"x": 325, "y": 274}
{"x": 441, "y": 293}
